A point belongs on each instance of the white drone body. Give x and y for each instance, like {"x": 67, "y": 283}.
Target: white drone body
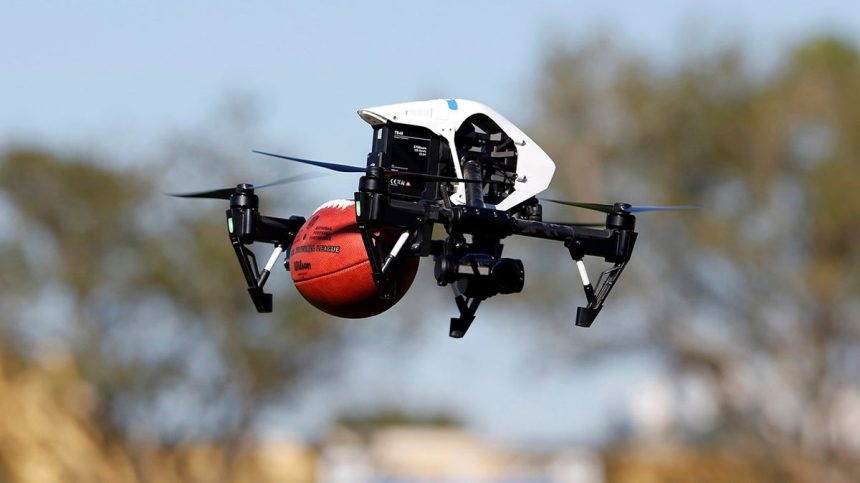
{"x": 445, "y": 116}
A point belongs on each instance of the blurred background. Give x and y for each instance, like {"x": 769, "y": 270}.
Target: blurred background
{"x": 730, "y": 350}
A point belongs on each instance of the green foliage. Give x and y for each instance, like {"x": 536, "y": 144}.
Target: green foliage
{"x": 157, "y": 304}
{"x": 365, "y": 423}
{"x": 754, "y": 297}
{"x": 772, "y": 258}
{"x": 84, "y": 210}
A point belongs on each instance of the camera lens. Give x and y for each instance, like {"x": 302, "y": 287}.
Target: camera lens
{"x": 508, "y": 275}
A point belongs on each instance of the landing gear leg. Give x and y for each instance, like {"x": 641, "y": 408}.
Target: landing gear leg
{"x": 467, "y": 307}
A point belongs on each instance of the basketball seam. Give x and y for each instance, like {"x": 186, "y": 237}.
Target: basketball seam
{"x": 331, "y": 273}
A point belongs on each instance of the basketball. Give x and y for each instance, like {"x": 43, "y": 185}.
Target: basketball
{"x": 330, "y": 268}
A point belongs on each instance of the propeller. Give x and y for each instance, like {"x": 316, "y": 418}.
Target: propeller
{"x": 621, "y": 207}
{"x": 342, "y": 168}
{"x": 345, "y": 168}
{"x": 225, "y": 193}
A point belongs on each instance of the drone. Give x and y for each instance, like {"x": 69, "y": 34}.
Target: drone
{"x": 455, "y": 163}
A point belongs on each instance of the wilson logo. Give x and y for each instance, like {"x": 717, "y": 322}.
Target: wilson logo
{"x": 300, "y": 265}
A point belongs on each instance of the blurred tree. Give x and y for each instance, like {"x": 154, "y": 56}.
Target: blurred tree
{"x": 365, "y": 423}
{"x": 155, "y": 322}
{"x": 755, "y": 297}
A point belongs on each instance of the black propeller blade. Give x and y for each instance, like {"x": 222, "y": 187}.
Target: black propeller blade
{"x": 345, "y": 168}
{"x": 621, "y": 207}
{"x": 225, "y": 193}
{"x": 219, "y": 194}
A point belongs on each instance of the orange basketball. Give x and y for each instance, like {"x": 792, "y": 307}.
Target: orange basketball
{"x": 330, "y": 268}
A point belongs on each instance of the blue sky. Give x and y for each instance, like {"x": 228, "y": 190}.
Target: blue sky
{"x": 120, "y": 76}
{"x": 101, "y": 71}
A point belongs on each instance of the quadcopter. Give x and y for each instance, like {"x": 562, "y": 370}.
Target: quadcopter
{"x": 459, "y": 164}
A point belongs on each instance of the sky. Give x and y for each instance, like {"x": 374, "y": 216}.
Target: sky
{"x": 119, "y": 77}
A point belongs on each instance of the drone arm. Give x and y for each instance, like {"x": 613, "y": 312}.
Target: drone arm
{"x": 248, "y": 262}
{"x": 246, "y": 226}
{"x": 613, "y": 245}
{"x": 277, "y": 231}
{"x": 374, "y": 209}
{"x": 585, "y": 315}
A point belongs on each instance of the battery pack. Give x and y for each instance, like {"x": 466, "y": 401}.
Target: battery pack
{"x": 411, "y": 149}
